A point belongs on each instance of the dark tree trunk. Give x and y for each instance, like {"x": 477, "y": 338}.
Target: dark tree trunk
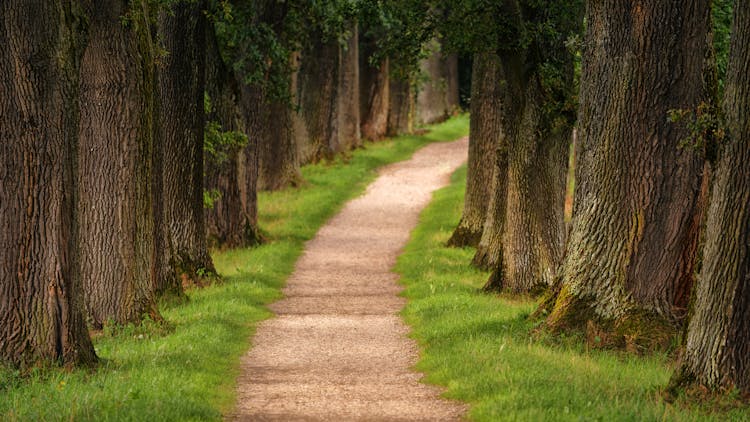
{"x": 317, "y": 100}
{"x": 115, "y": 213}
{"x": 278, "y": 162}
{"x": 256, "y": 121}
{"x": 484, "y": 135}
{"x": 452, "y": 97}
{"x": 349, "y": 136}
{"x": 182, "y": 121}
{"x": 534, "y": 225}
{"x": 718, "y": 340}
{"x": 41, "y": 297}
{"x": 400, "y": 107}
{"x": 375, "y": 93}
{"x": 630, "y": 258}
{"x": 227, "y": 223}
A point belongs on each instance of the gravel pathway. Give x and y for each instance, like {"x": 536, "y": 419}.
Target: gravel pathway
{"x": 337, "y": 349}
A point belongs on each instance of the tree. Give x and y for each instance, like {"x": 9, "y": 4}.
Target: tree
{"x": 485, "y": 132}
{"x": 718, "y": 338}
{"x": 181, "y": 122}
{"x": 41, "y": 297}
{"x": 629, "y": 262}
{"x": 374, "y": 90}
{"x": 257, "y": 41}
{"x": 438, "y": 94}
{"x": 115, "y": 212}
{"x": 229, "y": 222}
{"x": 526, "y": 116}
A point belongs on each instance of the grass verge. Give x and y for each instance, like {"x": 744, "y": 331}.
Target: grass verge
{"x": 479, "y": 347}
{"x": 188, "y": 372}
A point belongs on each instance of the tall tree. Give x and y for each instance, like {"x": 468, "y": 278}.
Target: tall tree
{"x": 349, "y": 117}
{"x": 629, "y": 261}
{"x": 115, "y": 212}
{"x": 718, "y": 339}
{"x": 181, "y": 123}
{"x": 41, "y": 297}
{"x": 228, "y": 222}
{"x": 438, "y": 95}
{"x": 374, "y": 89}
{"x": 485, "y": 130}
{"x": 401, "y": 106}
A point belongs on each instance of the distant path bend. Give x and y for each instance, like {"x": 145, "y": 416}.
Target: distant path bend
{"x": 337, "y": 349}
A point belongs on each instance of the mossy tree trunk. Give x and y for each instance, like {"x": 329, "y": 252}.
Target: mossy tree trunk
{"x": 41, "y": 297}
{"x": 718, "y": 339}
{"x": 375, "y": 93}
{"x": 117, "y": 135}
{"x": 485, "y": 129}
{"x": 182, "y": 122}
{"x": 227, "y": 222}
{"x": 630, "y": 258}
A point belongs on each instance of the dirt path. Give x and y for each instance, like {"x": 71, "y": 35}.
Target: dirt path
{"x": 338, "y": 349}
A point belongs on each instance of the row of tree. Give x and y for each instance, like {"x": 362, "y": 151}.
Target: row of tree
{"x": 131, "y": 131}
{"x": 659, "y": 242}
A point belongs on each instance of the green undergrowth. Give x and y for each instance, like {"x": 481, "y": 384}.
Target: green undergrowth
{"x": 186, "y": 370}
{"x": 479, "y": 346}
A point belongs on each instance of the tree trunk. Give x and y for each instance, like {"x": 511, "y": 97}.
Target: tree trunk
{"x": 182, "y": 121}
{"x": 630, "y": 259}
{"x": 41, "y": 297}
{"x": 484, "y": 135}
{"x": 349, "y": 136}
{"x": 490, "y": 247}
{"x": 256, "y": 121}
{"x": 375, "y": 94}
{"x": 534, "y": 227}
{"x": 718, "y": 339}
{"x": 452, "y": 97}
{"x": 116, "y": 222}
{"x": 278, "y": 161}
{"x": 317, "y": 100}
{"x": 432, "y": 99}
{"x": 227, "y": 223}
{"x": 400, "y": 108}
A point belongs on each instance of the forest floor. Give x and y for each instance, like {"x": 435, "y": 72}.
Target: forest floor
{"x": 337, "y": 349}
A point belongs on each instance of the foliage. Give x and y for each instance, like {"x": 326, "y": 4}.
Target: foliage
{"x": 187, "y": 372}
{"x": 258, "y": 37}
{"x": 704, "y": 126}
{"x": 722, "y": 11}
{"x": 400, "y": 30}
{"x": 482, "y": 347}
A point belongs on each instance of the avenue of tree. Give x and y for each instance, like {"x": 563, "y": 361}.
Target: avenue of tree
{"x": 135, "y": 135}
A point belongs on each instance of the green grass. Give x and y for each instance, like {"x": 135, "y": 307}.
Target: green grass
{"x": 479, "y": 347}
{"x": 189, "y": 372}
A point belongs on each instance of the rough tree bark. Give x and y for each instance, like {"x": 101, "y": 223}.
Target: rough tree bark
{"x": 278, "y": 163}
{"x": 490, "y": 248}
{"x": 485, "y": 129}
{"x": 718, "y": 339}
{"x": 41, "y": 298}
{"x": 534, "y": 223}
{"x": 400, "y": 107}
{"x": 182, "y": 121}
{"x": 375, "y": 93}
{"x": 228, "y": 223}
{"x": 349, "y": 136}
{"x": 629, "y": 261}
{"x": 115, "y": 212}
{"x": 317, "y": 100}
